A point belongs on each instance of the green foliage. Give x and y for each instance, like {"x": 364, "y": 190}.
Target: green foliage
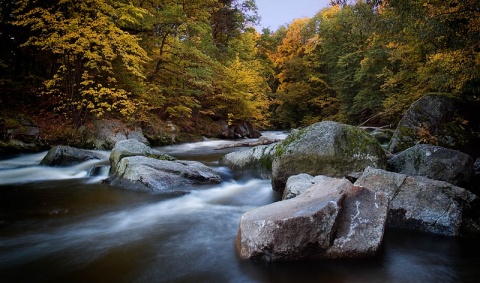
{"x": 368, "y": 61}
{"x": 303, "y": 96}
{"x": 204, "y": 61}
{"x": 181, "y": 61}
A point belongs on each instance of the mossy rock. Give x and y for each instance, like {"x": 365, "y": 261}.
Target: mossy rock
{"x": 18, "y": 133}
{"x": 133, "y": 147}
{"x": 434, "y": 162}
{"x": 256, "y": 159}
{"x": 326, "y": 148}
{"x": 439, "y": 119}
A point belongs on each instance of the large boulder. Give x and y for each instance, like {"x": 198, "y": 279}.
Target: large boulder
{"x": 106, "y": 133}
{"x": 256, "y": 159}
{"x": 434, "y": 162}
{"x": 133, "y": 147}
{"x": 441, "y": 120}
{"x": 422, "y": 204}
{"x": 361, "y": 224}
{"x": 153, "y": 175}
{"x": 330, "y": 220}
{"x": 66, "y": 156}
{"x": 297, "y": 184}
{"x": 326, "y": 148}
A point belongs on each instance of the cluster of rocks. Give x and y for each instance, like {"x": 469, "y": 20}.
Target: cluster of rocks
{"x": 136, "y": 166}
{"x": 332, "y": 219}
{"x": 340, "y": 191}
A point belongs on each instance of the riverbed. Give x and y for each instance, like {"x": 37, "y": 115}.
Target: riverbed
{"x": 62, "y": 224}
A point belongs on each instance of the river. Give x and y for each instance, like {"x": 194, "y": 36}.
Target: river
{"x": 64, "y": 225}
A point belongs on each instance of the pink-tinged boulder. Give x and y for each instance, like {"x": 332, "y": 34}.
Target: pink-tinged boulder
{"x": 333, "y": 219}
{"x": 297, "y": 184}
{"x": 361, "y": 224}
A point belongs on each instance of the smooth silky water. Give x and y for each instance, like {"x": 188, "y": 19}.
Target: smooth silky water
{"x": 62, "y": 225}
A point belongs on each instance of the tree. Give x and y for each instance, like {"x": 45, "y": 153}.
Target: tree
{"x": 240, "y": 90}
{"x": 355, "y": 57}
{"x": 454, "y": 28}
{"x": 196, "y": 46}
{"x": 179, "y": 40}
{"x": 230, "y": 19}
{"x": 88, "y": 46}
{"x": 303, "y": 95}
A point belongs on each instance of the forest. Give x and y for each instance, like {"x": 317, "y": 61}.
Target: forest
{"x": 191, "y": 63}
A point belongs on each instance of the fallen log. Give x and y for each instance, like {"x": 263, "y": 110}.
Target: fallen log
{"x": 249, "y": 144}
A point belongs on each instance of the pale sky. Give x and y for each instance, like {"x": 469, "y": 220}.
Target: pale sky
{"x": 275, "y": 13}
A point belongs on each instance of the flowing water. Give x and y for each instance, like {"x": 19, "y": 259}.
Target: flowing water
{"x": 63, "y": 225}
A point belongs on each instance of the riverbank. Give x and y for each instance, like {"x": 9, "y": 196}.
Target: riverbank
{"x": 22, "y": 133}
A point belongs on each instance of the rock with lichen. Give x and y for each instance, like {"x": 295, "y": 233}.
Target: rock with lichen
{"x": 298, "y": 184}
{"x": 434, "y": 162}
{"x": 148, "y": 174}
{"x": 66, "y": 156}
{"x": 332, "y": 219}
{"x": 257, "y": 159}
{"x": 421, "y": 204}
{"x": 133, "y": 147}
{"x": 325, "y": 148}
{"x": 106, "y": 133}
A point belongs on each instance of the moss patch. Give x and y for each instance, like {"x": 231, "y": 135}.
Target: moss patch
{"x": 292, "y": 137}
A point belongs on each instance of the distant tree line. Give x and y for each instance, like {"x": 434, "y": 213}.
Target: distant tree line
{"x": 174, "y": 60}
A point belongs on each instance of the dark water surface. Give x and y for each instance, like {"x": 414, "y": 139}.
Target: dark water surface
{"x": 60, "y": 225}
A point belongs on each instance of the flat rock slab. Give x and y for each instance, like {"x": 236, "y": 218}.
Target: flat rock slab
{"x": 154, "y": 175}
{"x": 361, "y": 224}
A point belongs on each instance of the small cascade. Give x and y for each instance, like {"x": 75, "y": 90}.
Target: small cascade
{"x": 99, "y": 170}
{"x": 26, "y": 169}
